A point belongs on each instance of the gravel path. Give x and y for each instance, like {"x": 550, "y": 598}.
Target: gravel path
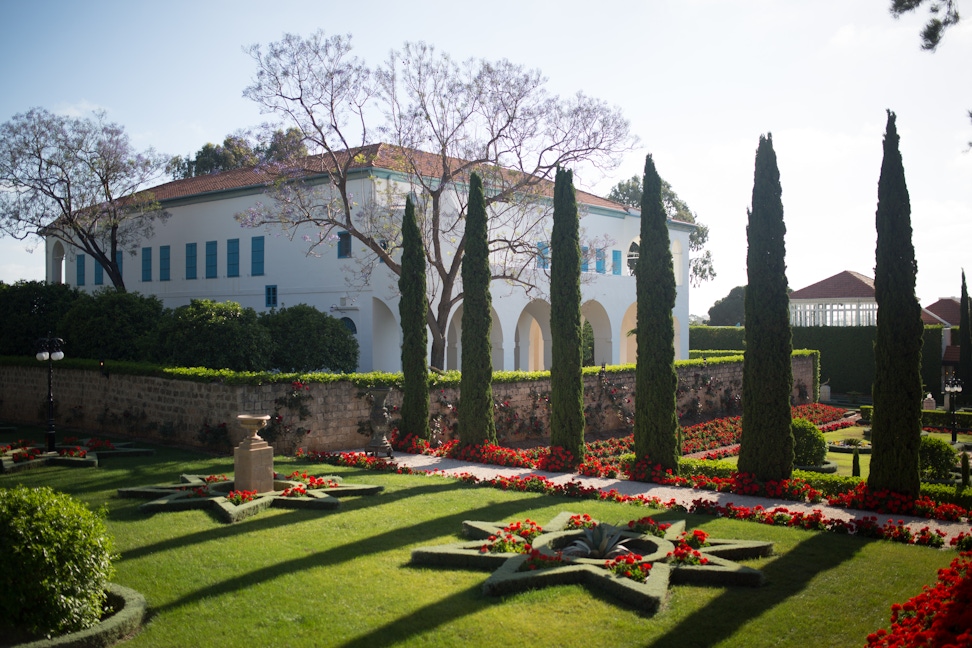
{"x": 681, "y": 495}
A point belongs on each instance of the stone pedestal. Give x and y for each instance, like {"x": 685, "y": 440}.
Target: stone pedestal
{"x": 253, "y": 458}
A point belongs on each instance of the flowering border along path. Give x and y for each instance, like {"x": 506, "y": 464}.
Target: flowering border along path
{"x": 75, "y": 453}
{"x": 217, "y": 493}
{"x": 524, "y": 556}
{"x": 766, "y": 508}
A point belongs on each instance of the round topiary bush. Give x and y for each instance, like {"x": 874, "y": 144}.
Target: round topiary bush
{"x": 809, "y": 444}
{"x": 936, "y": 458}
{"x": 55, "y": 562}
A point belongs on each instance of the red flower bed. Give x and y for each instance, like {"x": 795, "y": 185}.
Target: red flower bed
{"x": 885, "y": 501}
{"x": 940, "y": 616}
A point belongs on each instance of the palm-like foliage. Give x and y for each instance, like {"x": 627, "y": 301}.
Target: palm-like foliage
{"x": 601, "y": 541}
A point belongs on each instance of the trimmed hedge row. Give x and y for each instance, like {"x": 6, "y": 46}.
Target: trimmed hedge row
{"x": 846, "y": 352}
{"x": 827, "y": 484}
{"x": 929, "y": 418}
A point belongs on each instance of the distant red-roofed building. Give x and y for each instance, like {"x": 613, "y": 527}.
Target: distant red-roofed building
{"x": 845, "y": 299}
{"x": 946, "y": 311}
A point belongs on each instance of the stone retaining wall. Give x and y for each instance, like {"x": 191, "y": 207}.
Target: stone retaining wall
{"x": 187, "y": 413}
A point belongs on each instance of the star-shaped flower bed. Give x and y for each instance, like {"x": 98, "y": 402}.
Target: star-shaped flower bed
{"x": 635, "y": 563}
{"x": 218, "y": 494}
{"x": 81, "y": 453}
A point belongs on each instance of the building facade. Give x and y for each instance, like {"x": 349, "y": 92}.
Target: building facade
{"x": 201, "y": 251}
{"x": 845, "y": 299}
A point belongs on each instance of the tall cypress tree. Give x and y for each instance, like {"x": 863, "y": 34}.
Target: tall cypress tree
{"x": 656, "y": 429}
{"x": 965, "y": 341}
{"x": 412, "y": 309}
{"x": 896, "y": 420}
{"x": 767, "y": 440}
{"x": 476, "y": 424}
{"x": 566, "y": 379}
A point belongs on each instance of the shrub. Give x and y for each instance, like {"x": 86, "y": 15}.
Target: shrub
{"x": 809, "y": 444}
{"x": 112, "y": 325}
{"x": 218, "y": 335}
{"x": 31, "y": 309}
{"x": 55, "y": 562}
{"x": 936, "y": 458}
{"x": 305, "y": 339}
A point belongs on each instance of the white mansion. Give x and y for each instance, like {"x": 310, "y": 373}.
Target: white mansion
{"x": 202, "y": 251}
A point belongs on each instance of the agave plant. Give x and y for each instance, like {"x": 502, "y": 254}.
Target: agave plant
{"x": 602, "y": 541}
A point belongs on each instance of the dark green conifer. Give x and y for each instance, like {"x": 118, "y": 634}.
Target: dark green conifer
{"x": 896, "y": 420}
{"x": 476, "y": 424}
{"x": 656, "y": 429}
{"x": 412, "y": 309}
{"x": 965, "y": 343}
{"x": 566, "y": 380}
{"x": 766, "y": 450}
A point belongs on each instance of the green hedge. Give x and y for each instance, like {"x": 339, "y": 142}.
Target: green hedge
{"x": 846, "y": 352}
{"x": 930, "y": 418}
{"x": 828, "y": 484}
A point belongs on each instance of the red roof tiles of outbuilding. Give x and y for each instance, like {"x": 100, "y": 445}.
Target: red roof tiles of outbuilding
{"x": 947, "y": 308}
{"x": 847, "y": 285}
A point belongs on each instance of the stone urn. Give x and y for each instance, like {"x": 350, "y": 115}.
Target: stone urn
{"x": 253, "y": 458}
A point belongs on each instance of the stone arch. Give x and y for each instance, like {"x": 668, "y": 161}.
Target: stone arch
{"x": 454, "y": 341}
{"x": 531, "y": 340}
{"x": 593, "y": 312}
{"x": 629, "y": 343}
{"x": 634, "y": 249}
{"x": 386, "y": 346}
{"x": 57, "y": 262}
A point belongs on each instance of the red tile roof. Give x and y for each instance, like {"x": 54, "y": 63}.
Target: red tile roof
{"x": 373, "y": 156}
{"x": 947, "y": 308}
{"x": 845, "y": 285}
{"x": 951, "y": 356}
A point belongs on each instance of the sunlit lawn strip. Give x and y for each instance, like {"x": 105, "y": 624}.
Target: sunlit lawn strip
{"x": 343, "y": 579}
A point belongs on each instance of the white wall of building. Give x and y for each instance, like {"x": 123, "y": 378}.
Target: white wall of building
{"x": 521, "y": 338}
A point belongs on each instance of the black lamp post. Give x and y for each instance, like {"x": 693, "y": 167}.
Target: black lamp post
{"x": 49, "y": 350}
{"x": 953, "y": 387}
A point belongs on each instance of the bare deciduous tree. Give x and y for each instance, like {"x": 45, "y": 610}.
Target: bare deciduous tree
{"x": 80, "y": 181}
{"x": 443, "y": 119}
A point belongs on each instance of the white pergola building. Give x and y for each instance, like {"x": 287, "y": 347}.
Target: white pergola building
{"x": 845, "y": 299}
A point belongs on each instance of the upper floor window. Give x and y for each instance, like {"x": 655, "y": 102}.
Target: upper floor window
{"x": 256, "y": 256}
{"x": 211, "y": 259}
{"x": 190, "y": 260}
{"x": 543, "y": 255}
{"x": 80, "y": 273}
{"x": 344, "y": 245}
{"x": 233, "y": 258}
{"x": 164, "y": 262}
{"x": 600, "y": 260}
{"x": 146, "y": 264}
{"x": 617, "y": 264}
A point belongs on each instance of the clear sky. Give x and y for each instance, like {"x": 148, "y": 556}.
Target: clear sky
{"x": 700, "y": 80}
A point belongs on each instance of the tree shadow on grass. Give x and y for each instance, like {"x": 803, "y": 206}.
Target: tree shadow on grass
{"x": 263, "y": 523}
{"x": 419, "y": 622}
{"x": 381, "y": 542}
{"x": 786, "y": 576}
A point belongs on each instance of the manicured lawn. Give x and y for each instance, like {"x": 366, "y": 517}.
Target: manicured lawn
{"x": 342, "y": 578}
